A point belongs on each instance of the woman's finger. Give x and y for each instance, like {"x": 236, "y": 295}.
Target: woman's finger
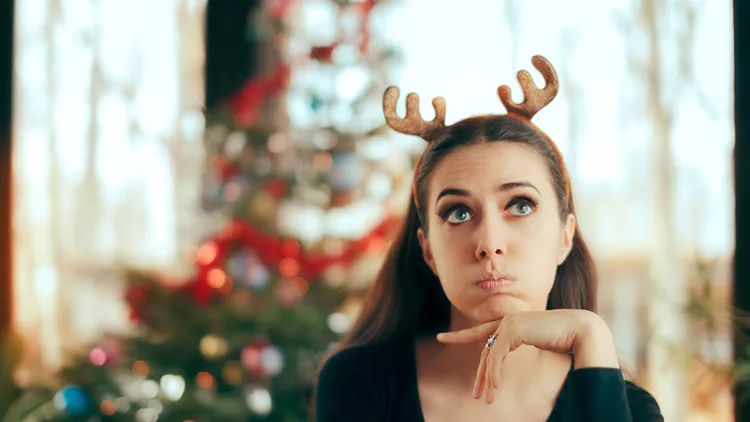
{"x": 490, "y": 356}
{"x": 504, "y": 343}
{"x": 469, "y": 335}
{"x": 493, "y": 367}
{"x": 495, "y": 361}
{"x": 479, "y": 382}
{"x": 489, "y": 390}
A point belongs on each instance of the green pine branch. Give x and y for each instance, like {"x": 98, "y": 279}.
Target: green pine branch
{"x": 9, "y": 355}
{"x": 169, "y": 343}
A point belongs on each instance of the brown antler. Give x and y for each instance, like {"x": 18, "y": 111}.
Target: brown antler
{"x": 534, "y": 99}
{"x": 413, "y": 123}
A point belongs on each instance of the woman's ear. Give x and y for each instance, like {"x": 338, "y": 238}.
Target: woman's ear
{"x": 426, "y": 253}
{"x": 568, "y": 233}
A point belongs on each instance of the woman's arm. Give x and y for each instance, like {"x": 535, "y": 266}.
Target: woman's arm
{"x": 599, "y": 383}
{"x": 597, "y": 379}
{"x": 603, "y": 395}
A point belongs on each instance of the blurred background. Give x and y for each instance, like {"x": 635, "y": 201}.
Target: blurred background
{"x": 202, "y": 190}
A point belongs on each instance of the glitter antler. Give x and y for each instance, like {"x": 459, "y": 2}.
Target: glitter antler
{"x": 413, "y": 123}
{"x": 534, "y": 99}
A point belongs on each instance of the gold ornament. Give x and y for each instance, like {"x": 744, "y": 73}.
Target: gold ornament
{"x": 232, "y": 373}
{"x": 213, "y": 346}
{"x": 263, "y": 207}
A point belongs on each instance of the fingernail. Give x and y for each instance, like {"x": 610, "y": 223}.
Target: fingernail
{"x": 441, "y": 336}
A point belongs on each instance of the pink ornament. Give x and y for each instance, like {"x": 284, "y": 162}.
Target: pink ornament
{"x": 98, "y": 356}
{"x": 251, "y": 359}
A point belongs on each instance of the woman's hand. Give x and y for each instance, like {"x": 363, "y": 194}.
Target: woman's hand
{"x": 580, "y": 332}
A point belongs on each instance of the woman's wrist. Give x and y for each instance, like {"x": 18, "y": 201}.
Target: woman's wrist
{"x": 593, "y": 346}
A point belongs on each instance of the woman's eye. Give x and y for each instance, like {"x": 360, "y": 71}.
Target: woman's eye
{"x": 458, "y": 215}
{"x": 521, "y": 207}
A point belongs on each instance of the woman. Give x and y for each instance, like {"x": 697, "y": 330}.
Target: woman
{"x": 489, "y": 291}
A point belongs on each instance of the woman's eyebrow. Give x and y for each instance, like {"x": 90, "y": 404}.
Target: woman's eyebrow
{"x": 503, "y": 187}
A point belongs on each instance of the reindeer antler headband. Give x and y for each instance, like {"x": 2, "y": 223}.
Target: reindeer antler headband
{"x": 534, "y": 100}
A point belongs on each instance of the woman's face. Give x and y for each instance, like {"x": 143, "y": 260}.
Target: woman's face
{"x": 494, "y": 234}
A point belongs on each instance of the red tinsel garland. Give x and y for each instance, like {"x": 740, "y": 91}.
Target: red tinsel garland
{"x": 273, "y": 251}
{"x": 245, "y": 103}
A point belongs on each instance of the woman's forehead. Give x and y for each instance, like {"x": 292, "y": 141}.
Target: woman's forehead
{"x": 485, "y": 166}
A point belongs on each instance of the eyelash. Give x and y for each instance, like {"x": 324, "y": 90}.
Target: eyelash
{"x": 446, "y": 211}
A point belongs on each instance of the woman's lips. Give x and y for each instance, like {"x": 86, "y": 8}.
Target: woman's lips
{"x": 495, "y": 286}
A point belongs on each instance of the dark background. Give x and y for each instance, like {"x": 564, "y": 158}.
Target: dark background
{"x": 742, "y": 185}
{"x": 230, "y": 52}
{"x": 6, "y": 72}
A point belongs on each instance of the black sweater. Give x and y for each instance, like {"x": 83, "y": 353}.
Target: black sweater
{"x": 369, "y": 384}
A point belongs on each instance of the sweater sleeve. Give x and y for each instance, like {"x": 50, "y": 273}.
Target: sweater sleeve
{"x": 604, "y": 395}
{"x": 345, "y": 390}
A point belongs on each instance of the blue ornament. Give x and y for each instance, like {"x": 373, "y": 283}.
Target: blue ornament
{"x": 246, "y": 268}
{"x": 316, "y": 103}
{"x": 72, "y": 400}
{"x": 345, "y": 172}
{"x": 258, "y": 276}
{"x": 236, "y": 266}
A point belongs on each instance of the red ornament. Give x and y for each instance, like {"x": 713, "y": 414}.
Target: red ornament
{"x": 342, "y": 199}
{"x": 323, "y": 53}
{"x": 137, "y": 294}
{"x": 251, "y": 357}
{"x": 290, "y": 248}
{"x": 288, "y": 268}
{"x": 277, "y": 8}
{"x": 229, "y": 171}
{"x": 135, "y": 297}
{"x": 134, "y": 315}
{"x": 277, "y": 188}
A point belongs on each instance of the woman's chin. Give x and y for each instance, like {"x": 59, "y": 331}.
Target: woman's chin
{"x": 487, "y": 309}
{"x": 499, "y": 307}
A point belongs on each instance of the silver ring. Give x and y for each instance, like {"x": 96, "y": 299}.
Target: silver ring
{"x": 491, "y": 341}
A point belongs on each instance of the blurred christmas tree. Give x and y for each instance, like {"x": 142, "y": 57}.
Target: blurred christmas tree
{"x": 9, "y": 352}
{"x": 300, "y": 186}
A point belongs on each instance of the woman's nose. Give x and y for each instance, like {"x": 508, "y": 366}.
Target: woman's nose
{"x": 483, "y": 251}
{"x": 490, "y": 242}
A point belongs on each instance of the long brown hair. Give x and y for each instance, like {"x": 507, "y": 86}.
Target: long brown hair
{"x": 406, "y": 299}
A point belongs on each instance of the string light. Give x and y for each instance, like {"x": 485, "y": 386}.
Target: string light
{"x": 140, "y": 368}
{"x": 205, "y": 380}
{"x": 288, "y": 268}
{"x": 108, "y": 408}
{"x": 216, "y": 278}
{"x": 207, "y": 253}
